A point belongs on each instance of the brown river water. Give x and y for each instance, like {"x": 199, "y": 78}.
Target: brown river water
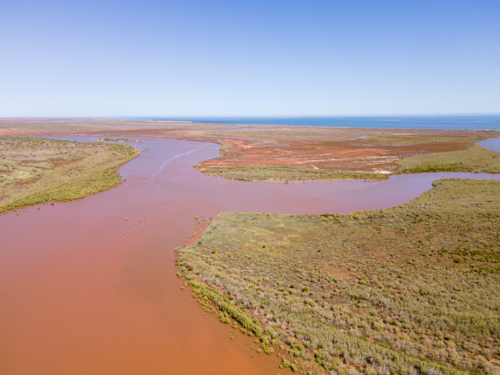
{"x": 84, "y": 291}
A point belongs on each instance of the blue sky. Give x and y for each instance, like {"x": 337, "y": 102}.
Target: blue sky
{"x": 248, "y": 58}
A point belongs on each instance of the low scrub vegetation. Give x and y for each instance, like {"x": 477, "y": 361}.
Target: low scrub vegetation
{"x": 419, "y": 138}
{"x": 118, "y": 140}
{"x": 285, "y": 173}
{"x": 38, "y": 170}
{"x": 474, "y": 159}
{"x": 409, "y": 290}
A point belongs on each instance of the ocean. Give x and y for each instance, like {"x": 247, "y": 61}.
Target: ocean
{"x": 487, "y": 122}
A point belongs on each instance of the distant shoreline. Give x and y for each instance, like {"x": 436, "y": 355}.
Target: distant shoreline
{"x": 445, "y": 122}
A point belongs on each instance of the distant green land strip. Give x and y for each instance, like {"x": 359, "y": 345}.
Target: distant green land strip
{"x": 409, "y": 290}
{"x": 285, "y": 173}
{"x": 38, "y": 170}
{"x": 474, "y": 159}
{"x": 118, "y": 140}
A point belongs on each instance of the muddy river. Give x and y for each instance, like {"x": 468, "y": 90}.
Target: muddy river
{"x": 85, "y": 291}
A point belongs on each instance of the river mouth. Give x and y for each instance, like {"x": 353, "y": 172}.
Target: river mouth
{"x": 86, "y": 291}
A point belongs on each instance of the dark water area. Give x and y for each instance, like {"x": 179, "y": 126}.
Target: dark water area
{"x": 85, "y": 291}
{"x": 476, "y": 122}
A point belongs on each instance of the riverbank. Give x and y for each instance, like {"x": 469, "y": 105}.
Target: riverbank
{"x": 414, "y": 288}
{"x": 40, "y": 170}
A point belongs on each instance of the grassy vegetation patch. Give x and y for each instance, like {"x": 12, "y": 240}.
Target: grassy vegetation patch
{"x": 284, "y": 173}
{"x": 413, "y": 289}
{"x": 475, "y": 159}
{"x": 417, "y": 139}
{"x": 118, "y": 140}
{"x": 38, "y": 170}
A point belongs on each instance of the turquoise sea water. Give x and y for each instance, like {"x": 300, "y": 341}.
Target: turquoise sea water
{"x": 491, "y": 122}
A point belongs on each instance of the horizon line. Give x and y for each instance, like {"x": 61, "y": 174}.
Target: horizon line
{"x": 149, "y": 117}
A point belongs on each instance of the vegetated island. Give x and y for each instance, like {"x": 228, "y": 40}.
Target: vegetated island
{"x": 474, "y": 159}
{"x": 117, "y": 140}
{"x": 417, "y": 154}
{"x": 409, "y": 290}
{"x": 39, "y": 170}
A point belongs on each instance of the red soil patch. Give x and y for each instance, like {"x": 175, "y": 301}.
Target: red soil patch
{"x": 334, "y": 155}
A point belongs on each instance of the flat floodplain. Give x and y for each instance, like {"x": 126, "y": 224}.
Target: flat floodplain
{"x": 87, "y": 291}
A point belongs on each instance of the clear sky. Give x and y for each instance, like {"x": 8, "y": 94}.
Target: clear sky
{"x": 248, "y": 58}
